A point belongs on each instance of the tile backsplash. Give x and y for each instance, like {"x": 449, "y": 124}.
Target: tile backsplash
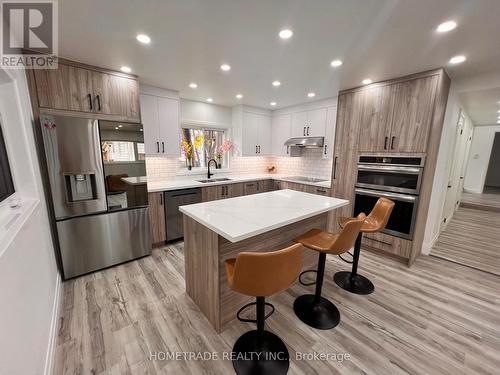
{"x": 310, "y": 164}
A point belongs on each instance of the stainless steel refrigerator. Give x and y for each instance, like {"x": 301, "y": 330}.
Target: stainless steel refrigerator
{"x": 97, "y": 180}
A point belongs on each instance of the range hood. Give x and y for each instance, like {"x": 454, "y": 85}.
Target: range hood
{"x": 306, "y": 142}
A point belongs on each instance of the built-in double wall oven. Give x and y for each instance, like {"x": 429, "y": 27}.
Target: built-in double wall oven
{"x": 394, "y": 177}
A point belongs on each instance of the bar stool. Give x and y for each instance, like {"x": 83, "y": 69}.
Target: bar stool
{"x": 261, "y": 275}
{"x": 375, "y": 222}
{"x": 313, "y": 309}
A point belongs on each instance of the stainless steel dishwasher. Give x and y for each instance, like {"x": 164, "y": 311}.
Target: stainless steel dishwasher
{"x": 173, "y": 217}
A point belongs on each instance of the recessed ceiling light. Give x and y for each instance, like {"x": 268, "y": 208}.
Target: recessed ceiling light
{"x": 336, "y": 63}
{"x": 116, "y": 127}
{"x": 193, "y": 85}
{"x": 276, "y": 83}
{"x": 143, "y": 38}
{"x": 457, "y": 59}
{"x": 239, "y": 96}
{"x": 125, "y": 69}
{"x": 499, "y": 111}
{"x": 272, "y": 104}
{"x": 225, "y": 67}
{"x": 141, "y": 129}
{"x": 210, "y": 100}
{"x": 311, "y": 95}
{"x": 446, "y": 26}
{"x": 366, "y": 81}
{"x": 286, "y": 34}
{"x": 120, "y": 126}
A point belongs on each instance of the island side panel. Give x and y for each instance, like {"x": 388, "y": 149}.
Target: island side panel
{"x": 201, "y": 259}
{"x": 230, "y": 301}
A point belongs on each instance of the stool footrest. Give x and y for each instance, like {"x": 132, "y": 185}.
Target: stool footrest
{"x": 307, "y": 283}
{"x": 253, "y": 320}
{"x": 345, "y": 260}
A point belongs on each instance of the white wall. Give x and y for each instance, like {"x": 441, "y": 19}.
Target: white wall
{"x": 482, "y": 143}
{"x": 29, "y": 280}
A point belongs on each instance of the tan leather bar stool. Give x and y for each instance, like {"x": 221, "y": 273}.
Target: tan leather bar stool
{"x": 261, "y": 275}
{"x": 313, "y": 309}
{"x": 375, "y": 222}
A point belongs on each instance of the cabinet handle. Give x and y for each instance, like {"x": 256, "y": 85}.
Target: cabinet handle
{"x": 385, "y": 142}
{"x": 259, "y": 149}
{"x": 256, "y": 149}
{"x": 321, "y": 190}
{"x": 258, "y": 186}
{"x": 161, "y": 199}
{"x": 90, "y": 101}
{"x": 98, "y": 102}
{"x": 304, "y": 131}
{"x": 392, "y": 142}
{"x": 158, "y": 147}
{"x": 326, "y": 146}
{"x": 308, "y": 130}
{"x": 163, "y": 147}
{"x": 287, "y": 149}
{"x": 335, "y": 167}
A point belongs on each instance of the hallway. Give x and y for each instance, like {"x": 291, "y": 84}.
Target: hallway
{"x": 471, "y": 238}
{"x": 489, "y": 200}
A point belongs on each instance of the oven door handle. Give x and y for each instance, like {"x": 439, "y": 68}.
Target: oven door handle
{"x": 388, "y": 169}
{"x": 399, "y": 197}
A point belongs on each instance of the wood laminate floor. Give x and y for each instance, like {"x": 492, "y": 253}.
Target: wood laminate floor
{"x": 489, "y": 200}
{"x": 434, "y": 318}
{"x": 472, "y": 238}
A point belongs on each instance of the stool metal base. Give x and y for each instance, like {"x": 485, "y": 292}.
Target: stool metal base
{"x": 357, "y": 284}
{"x": 260, "y": 353}
{"x": 320, "y": 315}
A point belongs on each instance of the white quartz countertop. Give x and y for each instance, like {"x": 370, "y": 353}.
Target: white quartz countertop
{"x": 243, "y": 217}
{"x": 191, "y": 182}
{"x": 135, "y": 180}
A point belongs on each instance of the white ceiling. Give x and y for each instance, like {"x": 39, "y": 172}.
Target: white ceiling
{"x": 378, "y": 39}
{"x": 482, "y": 105}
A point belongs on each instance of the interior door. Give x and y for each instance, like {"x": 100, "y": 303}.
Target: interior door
{"x": 316, "y": 122}
{"x": 168, "y": 117}
{"x": 375, "y": 126}
{"x": 150, "y": 124}
{"x": 281, "y": 130}
{"x": 299, "y": 120}
{"x": 413, "y": 110}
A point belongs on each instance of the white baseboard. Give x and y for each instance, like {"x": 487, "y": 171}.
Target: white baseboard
{"x": 427, "y": 246}
{"x": 474, "y": 191}
{"x": 49, "y": 360}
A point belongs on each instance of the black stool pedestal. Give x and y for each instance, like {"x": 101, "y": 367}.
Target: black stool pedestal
{"x": 351, "y": 281}
{"x": 260, "y": 352}
{"x": 314, "y": 310}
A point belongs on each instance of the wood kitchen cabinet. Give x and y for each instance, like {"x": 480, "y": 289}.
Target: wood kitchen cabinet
{"x": 81, "y": 88}
{"x": 212, "y": 193}
{"x": 413, "y": 112}
{"x": 160, "y": 118}
{"x": 397, "y": 117}
{"x": 157, "y": 217}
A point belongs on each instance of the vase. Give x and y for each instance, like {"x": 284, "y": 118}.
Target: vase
{"x": 189, "y": 166}
{"x": 219, "y": 163}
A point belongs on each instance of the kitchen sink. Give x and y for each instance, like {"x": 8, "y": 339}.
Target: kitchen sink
{"x": 214, "y": 180}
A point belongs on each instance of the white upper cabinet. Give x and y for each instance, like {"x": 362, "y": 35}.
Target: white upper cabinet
{"x": 309, "y": 123}
{"x": 331, "y": 120}
{"x": 252, "y": 131}
{"x": 168, "y": 115}
{"x": 281, "y": 131}
{"x": 160, "y": 120}
{"x": 316, "y": 122}
{"x": 249, "y": 144}
{"x": 299, "y": 120}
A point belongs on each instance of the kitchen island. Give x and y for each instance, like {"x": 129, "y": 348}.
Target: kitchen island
{"x": 217, "y": 230}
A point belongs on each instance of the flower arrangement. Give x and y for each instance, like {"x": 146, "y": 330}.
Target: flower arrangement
{"x": 226, "y": 146}
{"x": 188, "y": 150}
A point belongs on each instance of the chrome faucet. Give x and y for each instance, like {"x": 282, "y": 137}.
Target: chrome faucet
{"x": 208, "y": 165}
